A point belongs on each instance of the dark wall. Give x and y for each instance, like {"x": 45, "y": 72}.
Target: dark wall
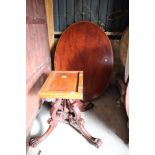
{"x": 112, "y": 15}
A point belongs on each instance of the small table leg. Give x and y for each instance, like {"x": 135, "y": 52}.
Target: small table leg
{"x": 52, "y": 123}
{"x": 78, "y": 123}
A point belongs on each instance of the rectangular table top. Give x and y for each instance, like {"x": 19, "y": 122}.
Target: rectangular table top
{"x": 63, "y": 84}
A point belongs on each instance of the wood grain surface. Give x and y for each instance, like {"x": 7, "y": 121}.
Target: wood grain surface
{"x": 84, "y": 46}
{"x": 63, "y": 84}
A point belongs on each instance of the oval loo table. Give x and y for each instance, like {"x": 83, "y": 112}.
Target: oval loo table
{"x": 84, "y": 46}
{"x": 83, "y": 66}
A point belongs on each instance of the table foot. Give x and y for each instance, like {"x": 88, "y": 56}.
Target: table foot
{"x": 35, "y": 141}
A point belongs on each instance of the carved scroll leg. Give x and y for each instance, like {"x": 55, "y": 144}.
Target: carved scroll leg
{"x": 80, "y": 123}
{"x": 52, "y": 123}
{"x": 95, "y": 141}
{"x": 35, "y": 141}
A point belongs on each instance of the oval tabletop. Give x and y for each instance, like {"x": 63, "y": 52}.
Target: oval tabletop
{"x": 83, "y": 46}
{"x": 124, "y": 46}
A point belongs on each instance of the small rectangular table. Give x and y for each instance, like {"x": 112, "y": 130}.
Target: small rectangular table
{"x": 67, "y": 88}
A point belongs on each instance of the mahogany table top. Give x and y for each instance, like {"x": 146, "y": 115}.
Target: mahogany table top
{"x": 84, "y": 46}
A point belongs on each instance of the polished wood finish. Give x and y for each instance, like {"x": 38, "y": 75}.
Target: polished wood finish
{"x": 63, "y": 84}
{"x": 66, "y": 111}
{"x": 84, "y": 46}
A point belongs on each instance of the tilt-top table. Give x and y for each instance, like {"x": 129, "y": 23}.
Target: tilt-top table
{"x": 67, "y": 88}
